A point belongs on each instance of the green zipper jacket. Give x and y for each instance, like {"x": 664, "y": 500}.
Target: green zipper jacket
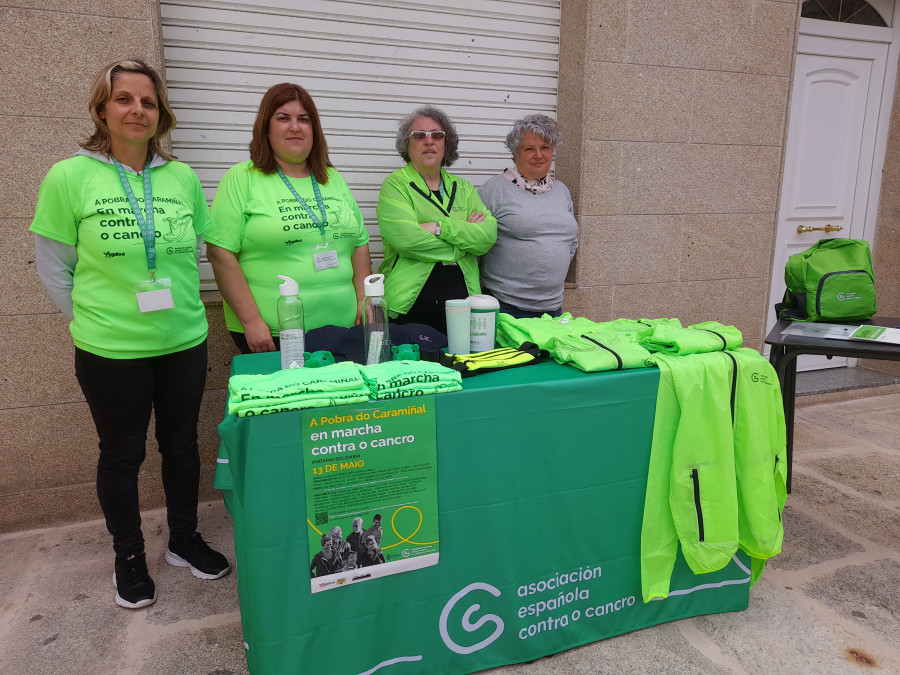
{"x": 717, "y": 462}
{"x": 410, "y": 252}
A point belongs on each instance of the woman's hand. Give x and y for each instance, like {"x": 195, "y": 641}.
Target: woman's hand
{"x": 259, "y": 337}
{"x": 477, "y": 217}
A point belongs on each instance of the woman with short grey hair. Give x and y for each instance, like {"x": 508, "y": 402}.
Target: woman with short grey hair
{"x": 537, "y": 233}
{"x": 451, "y": 138}
{"x": 433, "y": 224}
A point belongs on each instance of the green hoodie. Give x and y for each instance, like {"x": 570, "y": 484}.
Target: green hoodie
{"x": 410, "y": 252}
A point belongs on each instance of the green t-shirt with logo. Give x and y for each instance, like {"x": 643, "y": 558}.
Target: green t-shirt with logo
{"x": 256, "y": 217}
{"x": 82, "y": 203}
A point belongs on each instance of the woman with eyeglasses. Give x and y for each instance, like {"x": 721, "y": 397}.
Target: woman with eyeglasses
{"x": 434, "y": 224}
{"x": 287, "y": 211}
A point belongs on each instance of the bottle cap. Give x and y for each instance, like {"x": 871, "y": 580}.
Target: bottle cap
{"x": 457, "y": 303}
{"x": 289, "y": 287}
{"x": 484, "y": 302}
{"x": 374, "y": 285}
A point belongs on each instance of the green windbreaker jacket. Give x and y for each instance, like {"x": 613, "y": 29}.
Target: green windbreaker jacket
{"x": 411, "y": 252}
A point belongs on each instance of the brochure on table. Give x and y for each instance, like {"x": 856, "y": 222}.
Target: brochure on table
{"x": 838, "y": 331}
{"x": 370, "y": 460}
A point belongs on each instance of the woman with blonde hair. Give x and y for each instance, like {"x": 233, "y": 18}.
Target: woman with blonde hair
{"x": 117, "y": 231}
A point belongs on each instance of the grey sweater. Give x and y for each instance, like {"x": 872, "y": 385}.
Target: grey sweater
{"x": 537, "y": 235}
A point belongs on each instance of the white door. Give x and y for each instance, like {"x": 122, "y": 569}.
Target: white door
{"x": 831, "y": 148}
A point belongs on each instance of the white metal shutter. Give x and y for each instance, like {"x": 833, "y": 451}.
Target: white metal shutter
{"x": 367, "y": 63}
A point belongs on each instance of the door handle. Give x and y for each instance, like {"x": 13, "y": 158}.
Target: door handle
{"x": 828, "y": 228}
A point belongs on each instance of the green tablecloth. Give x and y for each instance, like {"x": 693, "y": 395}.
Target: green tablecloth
{"x": 541, "y": 478}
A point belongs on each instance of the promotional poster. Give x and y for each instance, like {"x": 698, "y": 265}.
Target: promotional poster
{"x": 371, "y": 490}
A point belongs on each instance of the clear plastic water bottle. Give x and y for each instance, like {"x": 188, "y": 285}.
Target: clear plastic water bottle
{"x": 375, "y": 321}
{"x": 290, "y": 324}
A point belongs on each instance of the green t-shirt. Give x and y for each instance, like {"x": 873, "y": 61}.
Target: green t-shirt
{"x": 257, "y": 217}
{"x": 82, "y": 203}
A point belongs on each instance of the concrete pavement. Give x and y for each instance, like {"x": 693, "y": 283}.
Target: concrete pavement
{"x": 830, "y": 603}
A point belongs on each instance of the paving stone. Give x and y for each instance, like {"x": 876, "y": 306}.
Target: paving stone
{"x": 874, "y": 474}
{"x": 850, "y": 592}
{"x": 873, "y": 521}
{"x": 779, "y": 634}
{"x": 856, "y": 421}
{"x": 661, "y": 650}
{"x": 207, "y": 651}
{"x": 808, "y": 542}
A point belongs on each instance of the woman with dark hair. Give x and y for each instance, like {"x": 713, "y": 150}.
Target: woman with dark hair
{"x": 287, "y": 211}
{"x": 117, "y": 230}
{"x": 326, "y": 561}
{"x": 537, "y": 233}
{"x": 434, "y": 224}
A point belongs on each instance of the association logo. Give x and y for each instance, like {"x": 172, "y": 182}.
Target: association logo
{"x": 760, "y": 377}
{"x": 326, "y": 584}
{"x": 467, "y": 624}
{"x": 291, "y": 242}
{"x": 850, "y": 295}
{"x": 342, "y": 580}
{"x": 112, "y": 254}
{"x": 172, "y": 250}
{"x": 361, "y": 576}
{"x": 177, "y": 227}
{"x": 405, "y": 553}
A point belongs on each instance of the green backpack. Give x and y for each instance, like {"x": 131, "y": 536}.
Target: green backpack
{"x": 830, "y": 281}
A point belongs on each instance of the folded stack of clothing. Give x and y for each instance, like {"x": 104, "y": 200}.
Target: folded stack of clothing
{"x": 588, "y": 345}
{"x": 296, "y": 389}
{"x": 399, "y": 379}
{"x": 700, "y": 338}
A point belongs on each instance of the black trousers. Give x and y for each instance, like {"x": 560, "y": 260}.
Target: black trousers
{"x": 446, "y": 282}
{"x": 121, "y": 394}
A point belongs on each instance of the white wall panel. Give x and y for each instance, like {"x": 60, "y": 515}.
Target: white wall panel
{"x": 366, "y": 63}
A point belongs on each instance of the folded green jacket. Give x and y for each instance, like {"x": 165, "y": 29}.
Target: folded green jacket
{"x": 709, "y": 336}
{"x": 598, "y": 351}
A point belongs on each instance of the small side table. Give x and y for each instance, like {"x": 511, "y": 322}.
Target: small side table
{"x": 786, "y": 349}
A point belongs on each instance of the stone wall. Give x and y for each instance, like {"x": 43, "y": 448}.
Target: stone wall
{"x": 48, "y": 445}
{"x": 675, "y": 115}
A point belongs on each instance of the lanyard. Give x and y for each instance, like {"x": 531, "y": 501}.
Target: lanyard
{"x": 430, "y": 197}
{"x": 320, "y": 222}
{"x": 145, "y": 219}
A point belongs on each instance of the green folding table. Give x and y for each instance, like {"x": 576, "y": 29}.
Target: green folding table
{"x": 541, "y": 481}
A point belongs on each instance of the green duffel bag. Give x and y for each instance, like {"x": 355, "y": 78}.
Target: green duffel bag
{"x": 830, "y": 281}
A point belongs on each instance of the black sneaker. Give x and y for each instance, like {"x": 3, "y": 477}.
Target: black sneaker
{"x": 196, "y": 554}
{"x": 134, "y": 587}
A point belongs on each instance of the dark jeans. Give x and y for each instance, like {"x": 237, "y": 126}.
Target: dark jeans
{"x": 120, "y": 394}
{"x": 517, "y": 313}
{"x": 446, "y": 282}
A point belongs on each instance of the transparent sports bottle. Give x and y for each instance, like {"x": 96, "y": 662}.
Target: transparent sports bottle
{"x": 375, "y": 321}
{"x": 290, "y": 324}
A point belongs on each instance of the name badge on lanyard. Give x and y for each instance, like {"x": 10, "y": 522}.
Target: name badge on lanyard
{"x": 153, "y": 294}
{"x": 322, "y": 259}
